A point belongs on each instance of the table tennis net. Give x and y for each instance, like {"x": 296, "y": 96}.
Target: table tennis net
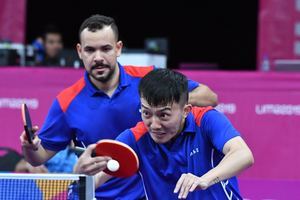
{"x": 46, "y": 187}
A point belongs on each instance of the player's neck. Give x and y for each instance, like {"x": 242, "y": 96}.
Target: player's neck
{"x": 181, "y": 126}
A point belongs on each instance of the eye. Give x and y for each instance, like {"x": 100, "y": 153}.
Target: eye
{"x": 106, "y": 48}
{"x": 146, "y": 113}
{"x": 164, "y": 116}
{"x": 89, "y": 50}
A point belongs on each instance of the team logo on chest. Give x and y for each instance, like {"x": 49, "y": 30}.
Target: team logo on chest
{"x": 194, "y": 151}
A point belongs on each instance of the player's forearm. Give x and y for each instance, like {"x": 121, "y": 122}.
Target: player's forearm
{"x": 101, "y": 178}
{"x": 231, "y": 165}
{"x": 203, "y": 96}
{"x": 37, "y": 157}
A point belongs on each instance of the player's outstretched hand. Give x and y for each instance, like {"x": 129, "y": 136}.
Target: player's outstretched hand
{"x": 25, "y": 143}
{"x": 188, "y": 183}
{"x": 89, "y": 165}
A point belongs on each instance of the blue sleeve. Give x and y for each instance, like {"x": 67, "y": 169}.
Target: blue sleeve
{"x": 218, "y": 129}
{"x": 192, "y": 85}
{"x": 127, "y": 138}
{"x": 55, "y": 134}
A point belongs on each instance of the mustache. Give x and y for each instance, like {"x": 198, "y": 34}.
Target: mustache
{"x": 100, "y": 65}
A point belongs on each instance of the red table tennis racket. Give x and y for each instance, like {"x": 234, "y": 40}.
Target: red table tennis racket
{"x": 27, "y": 123}
{"x": 120, "y": 152}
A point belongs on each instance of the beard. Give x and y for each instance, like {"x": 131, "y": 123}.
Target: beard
{"x": 104, "y": 76}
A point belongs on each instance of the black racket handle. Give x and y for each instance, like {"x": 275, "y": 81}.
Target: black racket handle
{"x": 79, "y": 150}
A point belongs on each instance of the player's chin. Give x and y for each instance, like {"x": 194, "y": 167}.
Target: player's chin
{"x": 160, "y": 139}
{"x": 102, "y": 77}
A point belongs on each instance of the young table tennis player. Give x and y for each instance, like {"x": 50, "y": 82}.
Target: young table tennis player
{"x": 184, "y": 151}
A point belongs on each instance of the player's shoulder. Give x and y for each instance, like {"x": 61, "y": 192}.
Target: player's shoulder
{"x": 139, "y": 130}
{"x": 138, "y": 71}
{"x": 66, "y": 96}
{"x": 198, "y": 113}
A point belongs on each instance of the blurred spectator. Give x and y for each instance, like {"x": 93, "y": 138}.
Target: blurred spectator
{"x": 48, "y": 50}
{"x": 48, "y": 47}
{"x": 12, "y": 161}
{"x": 37, "y": 51}
{"x": 24, "y": 167}
{"x": 62, "y": 162}
{"x": 8, "y": 159}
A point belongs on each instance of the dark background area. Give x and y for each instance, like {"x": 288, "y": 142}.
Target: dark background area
{"x": 222, "y": 32}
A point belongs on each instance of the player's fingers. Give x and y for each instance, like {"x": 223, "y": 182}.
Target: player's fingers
{"x": 35, "y": 128}
{"x": 89, "y": 171}
{"x": 179, "y": 183}
{"x": 194, "y": 186}
{"x": 95, "y": 168}
{"x": 82, "y": 167}
{"x": 89, "y": 150}
{"x": 186, "y": 189}
{"x": 23, "y": 138}
{"x": 98, "y": 163}
{"x": 101, "y": 159}
{"x": 90, "y": 165}
{"x": 36, "y": 143}
{"x": 83, "y": 162}
{"x": 183, "y": 187}
{"x": 101, "y": 165}
{"x": 24, "y": 142}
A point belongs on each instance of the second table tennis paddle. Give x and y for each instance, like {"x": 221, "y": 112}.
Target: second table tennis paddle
{"x": 27, "y": 123}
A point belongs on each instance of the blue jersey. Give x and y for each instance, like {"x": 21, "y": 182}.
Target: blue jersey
{"x": 89, "y": 115}
{"x": 62, "y": 162}
{"x": 197, "y": 149}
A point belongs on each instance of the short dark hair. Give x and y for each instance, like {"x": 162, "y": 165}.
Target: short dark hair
{"x": 97, "y": 22}
{"x": 161, "y": 87}
{"x": 50, "y": 29}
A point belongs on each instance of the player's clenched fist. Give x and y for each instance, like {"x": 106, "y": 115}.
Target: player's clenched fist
{"x": 35, "y": 142}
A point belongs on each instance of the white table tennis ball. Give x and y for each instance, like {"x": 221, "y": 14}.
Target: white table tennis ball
{"x": 113, "y": 165}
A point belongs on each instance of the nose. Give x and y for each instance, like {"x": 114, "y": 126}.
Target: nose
{"x": 155, "y": 123}
{"x": 98, "y": 56}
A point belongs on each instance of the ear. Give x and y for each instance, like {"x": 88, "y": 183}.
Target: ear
{"x": 119, "y": 47}
{"x": 186, "y": 110}
{"x": 79, "y": 49}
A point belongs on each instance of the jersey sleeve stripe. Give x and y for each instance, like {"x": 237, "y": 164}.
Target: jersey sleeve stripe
{"x": 137, "y": 71}
{"x": 139, "y": 130}
{"x": 66, "y": 96}
{"x": 198, "y": 113}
